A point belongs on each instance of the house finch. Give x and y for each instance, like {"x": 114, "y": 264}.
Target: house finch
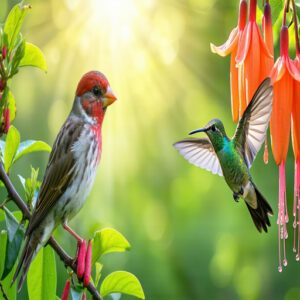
{"x": 71, "y": 169}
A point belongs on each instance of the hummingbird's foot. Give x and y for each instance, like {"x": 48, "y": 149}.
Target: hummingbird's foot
{"x": 236, "y": 197}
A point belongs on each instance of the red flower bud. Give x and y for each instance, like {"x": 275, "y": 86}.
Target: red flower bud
{"x": 66, "y": 290}
{"x": 2, "y": 85}
{"x": 6, "y": 116}
{"x": 4, "y": 52}
{"x": 84, "y": 296}
{"x": 81, "y": 259}
{"x": 88, "y": 265}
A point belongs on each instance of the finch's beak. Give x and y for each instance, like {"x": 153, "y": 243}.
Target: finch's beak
{"x": 109, "y": 97}
{"x": 198, "y": 130}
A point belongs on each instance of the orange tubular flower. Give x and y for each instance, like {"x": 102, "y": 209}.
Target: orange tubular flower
{"x": 283, "y": 74}
{"x": 267, "y": 63}
{"x": 296, "y": 148}
{"x": 296, "y": 142}
{"x": 252, "y": 51}
{"x": 230, "y": 47}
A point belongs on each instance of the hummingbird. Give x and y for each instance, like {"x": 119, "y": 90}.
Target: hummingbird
{"x": 232, "y": 158}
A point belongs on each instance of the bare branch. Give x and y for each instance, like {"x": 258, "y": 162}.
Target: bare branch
{"x": 67, "y": 260}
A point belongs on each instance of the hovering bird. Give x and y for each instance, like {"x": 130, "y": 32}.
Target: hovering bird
{"x": 71, "y": 169}
{"x": 232, "y": 158}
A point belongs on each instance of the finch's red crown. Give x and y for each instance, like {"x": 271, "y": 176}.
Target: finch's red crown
{"x": 89, "y": 80}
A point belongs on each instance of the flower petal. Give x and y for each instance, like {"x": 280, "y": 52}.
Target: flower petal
{"x": 234, "y": 87}
{"x": 242, "y": 89}
{"x": 281, "y": 117}
{"x": 296, "y": 116}
{"x": 228, "y": 46}
{"x": 278, "y": 70}
{"x": 293, "y": 70}
{"x": 243, "y": 44}
{"x": 252, "y": 66}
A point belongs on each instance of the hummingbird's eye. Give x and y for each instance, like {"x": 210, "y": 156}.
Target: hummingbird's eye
{"x": 213, "y": 128}
{"x": 96, "y": 91}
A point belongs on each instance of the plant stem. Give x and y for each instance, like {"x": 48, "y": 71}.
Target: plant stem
{"x": 67, "y": 260}
{"x": 3, "y": 292}
{"x": 296, "y": 27}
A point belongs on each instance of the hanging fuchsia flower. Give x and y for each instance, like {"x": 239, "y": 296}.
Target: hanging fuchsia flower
{"x": 230, "y": 47}
{"x": 283, "y": 74}
{"x": 296, "y": 149}
{"x": 252, "y": 51}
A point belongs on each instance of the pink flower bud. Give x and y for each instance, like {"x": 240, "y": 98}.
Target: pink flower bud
{"x": 81, "y": 259}
{"x": 88, "y": 265}
{"x": 4, "y": 52}
{"x": 6, "y": 116}
{"x": 66, "y": 290}
{"x": 84, "y": 296}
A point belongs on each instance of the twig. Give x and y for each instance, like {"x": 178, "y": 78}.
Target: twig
{"x": 3, "y": 292}
{"x": 67, "y": 260}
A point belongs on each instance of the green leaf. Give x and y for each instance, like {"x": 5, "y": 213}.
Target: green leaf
{"x": 122, "y": 282}
{"x": 41, "y": 278}
{"x": 3, "y": 241}
{"x": 31, "y": 186}
{"x": 11, "y": 147}
{"x": 108, "y": 240}
{"x": 34, "y": 57}
{"x": 98, "y": 272}
{"x": 11, "y": 105}
{"x": 30, "y": 146}
{"x": 14, "y": 241}
{"x": 14, "y": 23}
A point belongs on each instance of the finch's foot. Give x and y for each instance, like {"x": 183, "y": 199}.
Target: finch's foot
{"x": 72, "y": 232}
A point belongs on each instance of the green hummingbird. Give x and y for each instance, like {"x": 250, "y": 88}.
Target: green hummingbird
{"x": 232, "y": 158}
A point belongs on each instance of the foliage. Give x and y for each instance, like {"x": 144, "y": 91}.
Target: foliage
{"x": 16, "y": 52}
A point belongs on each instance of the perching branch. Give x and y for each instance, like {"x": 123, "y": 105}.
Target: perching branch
{"x": 67, "y": 260}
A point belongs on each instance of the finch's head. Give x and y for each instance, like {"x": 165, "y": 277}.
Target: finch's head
{"x": 94, "y": 94}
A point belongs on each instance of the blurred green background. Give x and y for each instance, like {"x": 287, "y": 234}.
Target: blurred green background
{"x": 189, "y": 239}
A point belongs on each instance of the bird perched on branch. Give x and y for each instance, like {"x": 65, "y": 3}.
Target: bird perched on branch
{"x": 232, "y": 158}
{"x": 71, "y": 169}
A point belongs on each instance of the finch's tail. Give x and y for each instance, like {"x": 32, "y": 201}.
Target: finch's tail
{"x": 260, "y": 214}
{"x": 31, "y": 247}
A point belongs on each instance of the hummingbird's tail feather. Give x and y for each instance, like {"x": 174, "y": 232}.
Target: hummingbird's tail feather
{"x": 31, "y": 247}
{"x": 260, "y": 214}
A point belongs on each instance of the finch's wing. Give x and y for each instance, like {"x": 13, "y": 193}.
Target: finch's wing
{"x": 252, "y": 127}
{"x": 200, "y": 153}
{"x": 59, "y": 172}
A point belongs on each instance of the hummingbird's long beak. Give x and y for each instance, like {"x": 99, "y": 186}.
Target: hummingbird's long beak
{"x": 198, "y": 130}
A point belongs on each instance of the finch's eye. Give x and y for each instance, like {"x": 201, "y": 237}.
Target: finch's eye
{"x": 213, "y": 128}
{"x": 96, "y": 91}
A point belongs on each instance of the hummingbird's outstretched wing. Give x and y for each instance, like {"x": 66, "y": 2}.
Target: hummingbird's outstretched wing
{"x": 200, "y": 153}
{"x": 252, "y": 127}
